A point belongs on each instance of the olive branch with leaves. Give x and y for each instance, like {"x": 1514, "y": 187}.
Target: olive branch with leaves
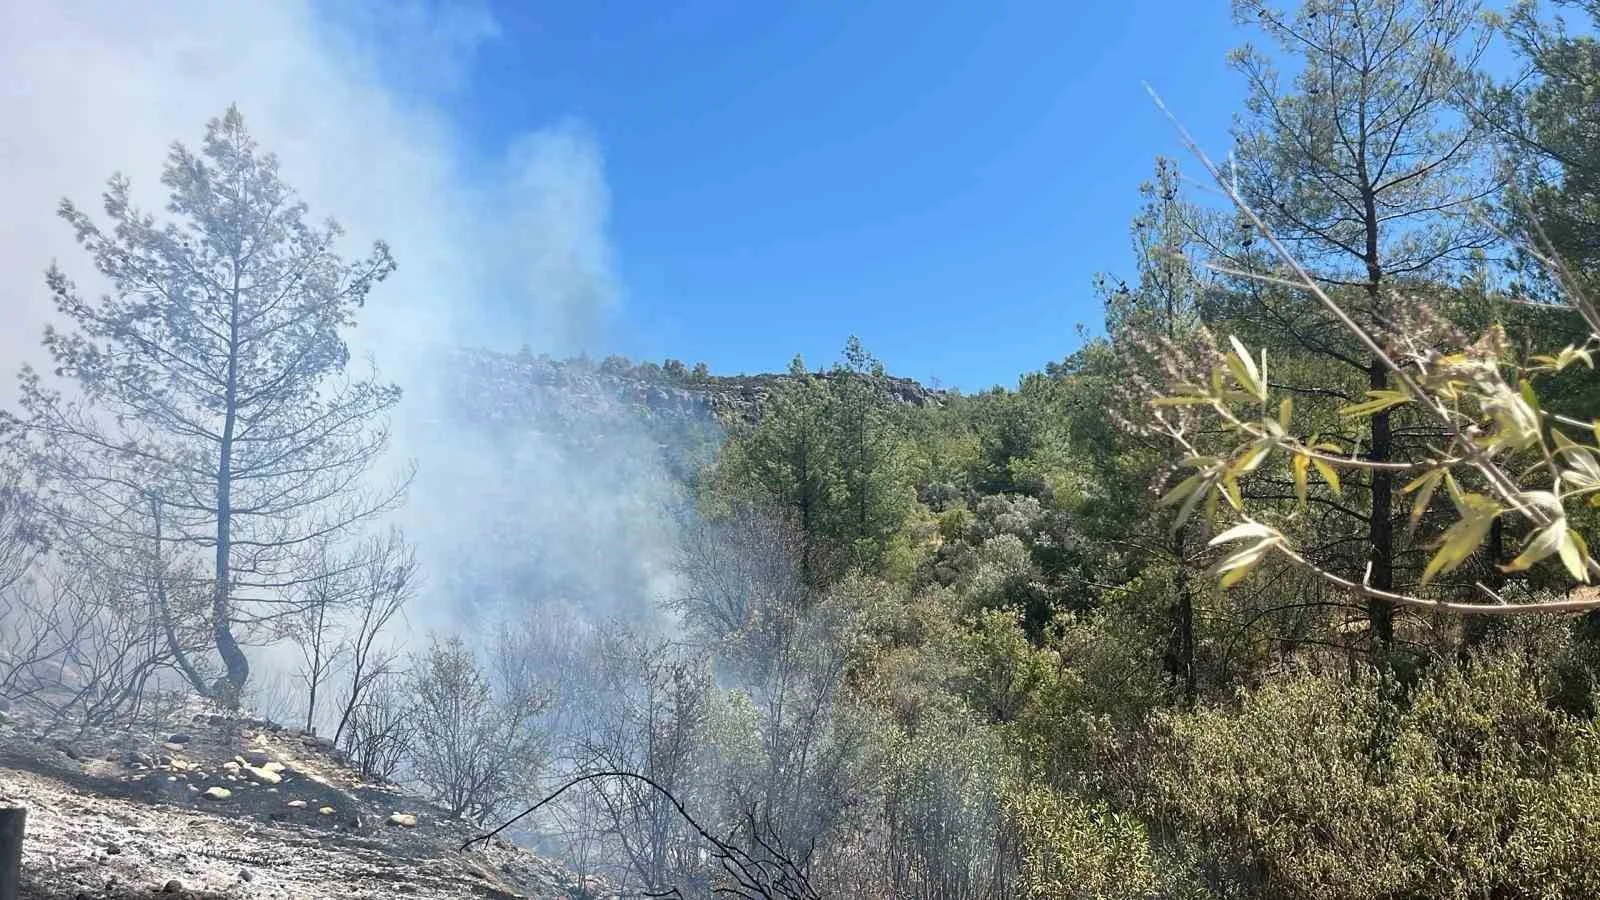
{"x": 1490, "y": 410}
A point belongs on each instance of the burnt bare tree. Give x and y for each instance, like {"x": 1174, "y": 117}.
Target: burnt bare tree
{"x": 213, "y": 375}
{"x": 754, "y": 868}
{"x": 471, "y": 746}
{"x": 384, "y": 583}
{"x": 377, "y": 737}
{"x": 342, "y": 608}
{"x": 743, "y": 582}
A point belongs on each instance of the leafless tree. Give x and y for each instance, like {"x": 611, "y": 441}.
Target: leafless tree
{"x": 22, "y": 536}
{"x": 77, "y": 649}
{"x": 384, "y": 582}
{"x": 379, "y": 730}
{"x": 648, "y": 712}
{"x": 754, "y": 870}
{"x": 741, "y": 576}
{"x": 343, "y": 604}
{"x": 471, "y": 748}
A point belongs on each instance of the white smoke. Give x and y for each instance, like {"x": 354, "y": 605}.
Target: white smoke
{"x": 349, "y": 97}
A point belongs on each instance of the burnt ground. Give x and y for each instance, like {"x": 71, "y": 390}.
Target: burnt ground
{"x": 226, "y": 807}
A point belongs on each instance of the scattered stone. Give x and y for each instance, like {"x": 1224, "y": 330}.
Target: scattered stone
{"x": 231, "y": 766}
{"x": 172, "y": 778}
{"x": 216, "y": 792}
{"x": 297, "y": 804}
{"x": 244, "y": 875}
{"x": 179, "y": 738}
{"x": 325, "y": 811}
{"x": 405, "y": 820}
{"x": 172, "y": 887}
{"x": 170, "y": 747}
{"x": 263, "y": 776}
{"x": 275, "y": 766}
{"x": 257, "y": 757}
{"x": 113, "y": 849}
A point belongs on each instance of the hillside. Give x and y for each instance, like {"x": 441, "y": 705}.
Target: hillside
{"x": 519, "y": 388}
{"x": 235, "y": 807}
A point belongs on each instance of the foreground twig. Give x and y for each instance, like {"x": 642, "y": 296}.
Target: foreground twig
{"x": 775, "y": 878}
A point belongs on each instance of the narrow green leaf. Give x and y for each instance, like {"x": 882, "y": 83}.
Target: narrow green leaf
{"x": 1241, "y": 531}
{"x": 1302, "y": 465}
{"x": 1194, "y": 497}
{"x": 1575, "y": 556}
{"x": 1425, "y": 488}
{"x": 1465, "y": 536}
{"x": 1250, "y": 458}
{"x": 1328, "y": 473}
{"x": 1244, "y": 370}
{"x": 1377, "y": 402}
{"x": 1544, "y": 542}
{"x": 1230, "y": 488}
{"x": 1181, "y": 490}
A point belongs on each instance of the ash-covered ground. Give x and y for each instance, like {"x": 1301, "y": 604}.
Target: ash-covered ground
{"x": 222, "y": 806}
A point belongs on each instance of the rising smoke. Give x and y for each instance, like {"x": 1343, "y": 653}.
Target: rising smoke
{"x": 507, "y": 255}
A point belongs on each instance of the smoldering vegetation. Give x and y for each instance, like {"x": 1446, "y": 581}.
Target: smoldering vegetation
{"x": 201, "y": 499}
{"x": 1279, "y": 588}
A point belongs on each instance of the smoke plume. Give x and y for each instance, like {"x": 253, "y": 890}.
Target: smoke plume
{"x": 510, "y": 254}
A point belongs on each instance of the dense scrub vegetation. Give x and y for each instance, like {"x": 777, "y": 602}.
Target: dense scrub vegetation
{"x": 1217, "y": 606}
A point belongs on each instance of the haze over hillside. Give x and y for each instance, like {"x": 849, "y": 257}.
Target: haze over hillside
{"x": 348, "y": 555}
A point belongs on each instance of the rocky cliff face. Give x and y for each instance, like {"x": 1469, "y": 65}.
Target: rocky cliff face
{"x": 521, "y": 387}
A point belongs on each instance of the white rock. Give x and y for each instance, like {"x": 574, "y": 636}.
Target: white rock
{"x": 263, "y": 776}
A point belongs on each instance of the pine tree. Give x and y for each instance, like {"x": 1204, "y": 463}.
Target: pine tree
{"x": 1357, "y": 167}
{"x": 210, "y": 394}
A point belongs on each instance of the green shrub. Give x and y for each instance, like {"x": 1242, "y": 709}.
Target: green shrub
{"x": 1073, "y": 849}
{"x": 1322, "y": 786}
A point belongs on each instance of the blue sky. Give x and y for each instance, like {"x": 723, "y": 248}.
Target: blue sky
{"x": 941, "y": 179}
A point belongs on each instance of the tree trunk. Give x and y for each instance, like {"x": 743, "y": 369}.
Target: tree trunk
{"x": 1380, "y": 524}
{"x": 169, "y": 629}
{"x": 314, "y": 677}
{"x": 1180, "y": 644}
{"x": 232, "y": 684}
{"x": 1380, "y": 521}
